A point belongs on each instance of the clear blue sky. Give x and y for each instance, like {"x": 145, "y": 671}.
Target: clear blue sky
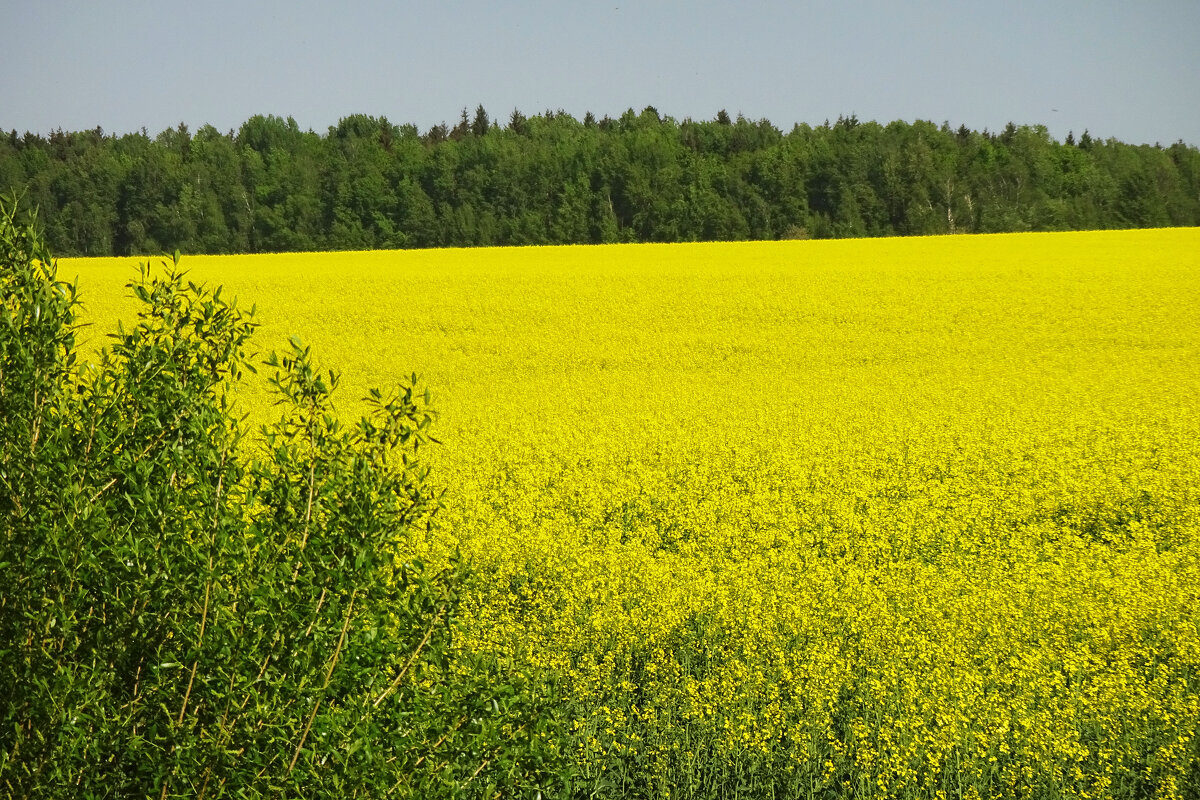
{"x": 1124, "y": 69}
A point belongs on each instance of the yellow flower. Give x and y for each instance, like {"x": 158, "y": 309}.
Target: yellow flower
{"x": 875, "y": 510}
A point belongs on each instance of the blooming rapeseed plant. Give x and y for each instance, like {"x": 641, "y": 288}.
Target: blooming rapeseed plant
{"x": 883, "y": 518}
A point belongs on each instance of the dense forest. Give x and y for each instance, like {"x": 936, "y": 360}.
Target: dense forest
{"x": 551, "y": 178}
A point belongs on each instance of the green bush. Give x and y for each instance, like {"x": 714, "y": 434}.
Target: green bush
{"x": 191, "y": 611}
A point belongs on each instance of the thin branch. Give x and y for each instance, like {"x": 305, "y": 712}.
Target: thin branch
{"x": 212, "y": 544}
{"x": 478, "y": 770}
{"x": 445, "y": 736}
{"x": 188, "y": 693}
{"x": 312, "y": 483}
{"x": 303, "y": 736}
{"x": 316, "y": 613}
{"x": 396, "y": 681}
{"x": 103, "y": 489}
{"x": 150, "y": 446}
{"x": 328, "y": 676}
{"x": 341, "y": 640}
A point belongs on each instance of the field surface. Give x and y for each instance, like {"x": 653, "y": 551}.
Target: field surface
{"x": 880, "y": 518}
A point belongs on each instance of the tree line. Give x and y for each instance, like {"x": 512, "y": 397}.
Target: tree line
{"x": 553, "y": 179}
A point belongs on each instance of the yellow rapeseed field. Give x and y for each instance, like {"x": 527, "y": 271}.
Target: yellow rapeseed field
{"x": 872, "y": 518}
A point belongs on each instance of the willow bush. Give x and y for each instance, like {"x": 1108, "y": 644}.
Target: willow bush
{"x": 189, "y": 610}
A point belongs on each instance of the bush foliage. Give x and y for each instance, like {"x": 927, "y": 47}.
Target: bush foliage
{"x": 193, "y": 611}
